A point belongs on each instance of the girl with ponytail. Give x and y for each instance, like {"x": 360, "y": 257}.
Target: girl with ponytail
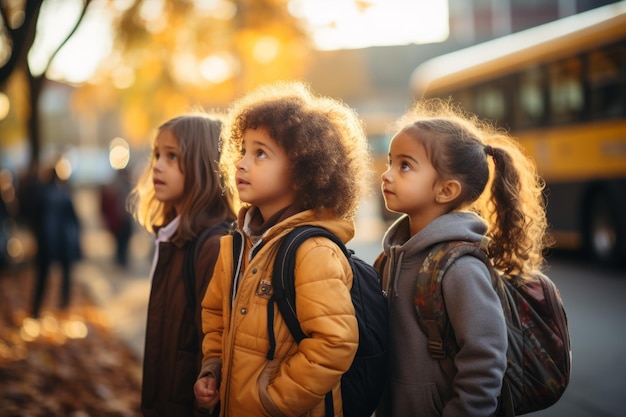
{"x": 455, "y": 177}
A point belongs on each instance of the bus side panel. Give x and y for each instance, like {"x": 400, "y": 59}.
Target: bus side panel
{"x": 564, "y": 212}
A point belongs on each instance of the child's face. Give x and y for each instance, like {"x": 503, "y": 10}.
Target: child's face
{"x": 408, "y": 185}
{"x": 168, "y": 179}
{"x": 264, "y": 173}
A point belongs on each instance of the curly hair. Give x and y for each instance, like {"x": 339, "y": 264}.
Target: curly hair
{"x": 505, "y": 189}
{"x": 206, "y": 201}
{"x": 323, "y": 138}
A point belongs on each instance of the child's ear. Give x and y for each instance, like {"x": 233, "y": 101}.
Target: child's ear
{"x": 447, "y": 191}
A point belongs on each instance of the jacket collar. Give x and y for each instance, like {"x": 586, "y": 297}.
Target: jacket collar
{"x": 343, "y": 228}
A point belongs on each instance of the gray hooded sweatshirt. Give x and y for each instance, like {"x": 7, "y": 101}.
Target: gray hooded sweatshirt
{"x": 418, "y": 387}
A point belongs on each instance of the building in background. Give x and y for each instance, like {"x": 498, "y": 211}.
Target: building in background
{"x": 474, "y": 21}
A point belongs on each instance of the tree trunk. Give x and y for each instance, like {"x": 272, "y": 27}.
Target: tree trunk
{"x": 35, "y": 85}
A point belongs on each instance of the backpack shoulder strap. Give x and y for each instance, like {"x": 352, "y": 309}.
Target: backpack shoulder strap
{"x": 284, "y": 288}
{"x": 192, "y": 250}
{"x": 428, "y": 299}
{"x": 283, "y": 274}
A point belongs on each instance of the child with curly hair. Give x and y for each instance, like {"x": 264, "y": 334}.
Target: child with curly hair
{"x": 295, "y": 159}
{"x": 179, "y": 197}
{"x": 454, "y": 177}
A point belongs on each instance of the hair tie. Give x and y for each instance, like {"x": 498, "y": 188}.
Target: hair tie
{"x": 489, "y": 151}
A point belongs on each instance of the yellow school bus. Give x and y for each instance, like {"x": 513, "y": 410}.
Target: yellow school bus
{"x": 560, "y": 88}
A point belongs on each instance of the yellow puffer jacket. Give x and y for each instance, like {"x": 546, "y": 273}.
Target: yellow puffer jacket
{"x": 236, "y": 343}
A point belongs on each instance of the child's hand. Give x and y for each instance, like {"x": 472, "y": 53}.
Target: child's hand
{"x": 206, "y": 392}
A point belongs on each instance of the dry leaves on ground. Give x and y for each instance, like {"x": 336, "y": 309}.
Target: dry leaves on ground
{"x": 64, "y": 364}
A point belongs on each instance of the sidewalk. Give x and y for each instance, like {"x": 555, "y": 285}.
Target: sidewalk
{"x": 68, "y": 363}
{"x": 122, "y": 295}
{"x": 86, "y": 361}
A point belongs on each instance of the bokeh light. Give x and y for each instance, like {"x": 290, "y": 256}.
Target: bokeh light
{"x": 75, "y": 328}
{"x": 266, "y": 49}
{"x": 218, "y": 68}
{"x": 123, "y": 77}
{"x": 15, "y": 249}
{"x": 119, "y": 153}
{"x": 5, "y": 106}
{"x": 63, "y": 168}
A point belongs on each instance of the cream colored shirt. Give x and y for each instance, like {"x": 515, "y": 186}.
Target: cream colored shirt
{"x": 163, "y": 235}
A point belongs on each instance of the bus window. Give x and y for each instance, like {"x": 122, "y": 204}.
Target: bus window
{"x": 530, "y": 104}
{"x": 489, "y": 102}
{"x": 606, "y": 81}
{"x": 566, "y": 90}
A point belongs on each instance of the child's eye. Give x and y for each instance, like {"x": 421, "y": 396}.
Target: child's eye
{"x": 404, "y": 166}
{"x": 260, "y": 154}
{"x": 242, "y": 151}
{"x": 173, "y": 156}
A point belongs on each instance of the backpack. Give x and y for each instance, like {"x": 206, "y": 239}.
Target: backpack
{"x": 363, "y": 384}
{"x": 538, "y": 355}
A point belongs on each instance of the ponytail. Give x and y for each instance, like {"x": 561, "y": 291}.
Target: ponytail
{"x": 518, "y": 225}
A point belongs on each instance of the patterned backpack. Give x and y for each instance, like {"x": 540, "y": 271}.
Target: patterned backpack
{"x": 538, "y": 356}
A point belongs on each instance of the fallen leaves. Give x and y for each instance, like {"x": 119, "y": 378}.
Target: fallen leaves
{"x": 66, "y": 363}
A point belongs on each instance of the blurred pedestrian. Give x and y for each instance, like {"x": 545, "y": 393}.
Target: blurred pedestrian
{"x": 5, "y": 217}
{"x": 177, "y": 198}
{"x": 117, "y": 219}
{"x": 55, "y": 224}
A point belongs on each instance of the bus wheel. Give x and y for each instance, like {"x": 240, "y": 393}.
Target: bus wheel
{"x": 601, "y": 231}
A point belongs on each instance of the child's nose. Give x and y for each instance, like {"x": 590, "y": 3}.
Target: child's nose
{"x": 157, "y": 165}
{"x": 386, "y": 176}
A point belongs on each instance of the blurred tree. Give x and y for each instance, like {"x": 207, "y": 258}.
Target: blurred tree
{"x": 18, "y": 32}
{"x": 170, "y": 56}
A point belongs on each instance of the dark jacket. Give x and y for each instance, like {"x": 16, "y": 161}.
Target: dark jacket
{"x": 172, "y": 354}
{"x": 61, "y": 225}
{"x": 51, "y": 213}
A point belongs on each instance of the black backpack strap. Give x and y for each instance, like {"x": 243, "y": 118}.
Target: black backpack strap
{"x": 192, "y": 250}
{"x": 380, "y": 264}
{"x": 283, "y": 283}
{"x": 283, "y": 274}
